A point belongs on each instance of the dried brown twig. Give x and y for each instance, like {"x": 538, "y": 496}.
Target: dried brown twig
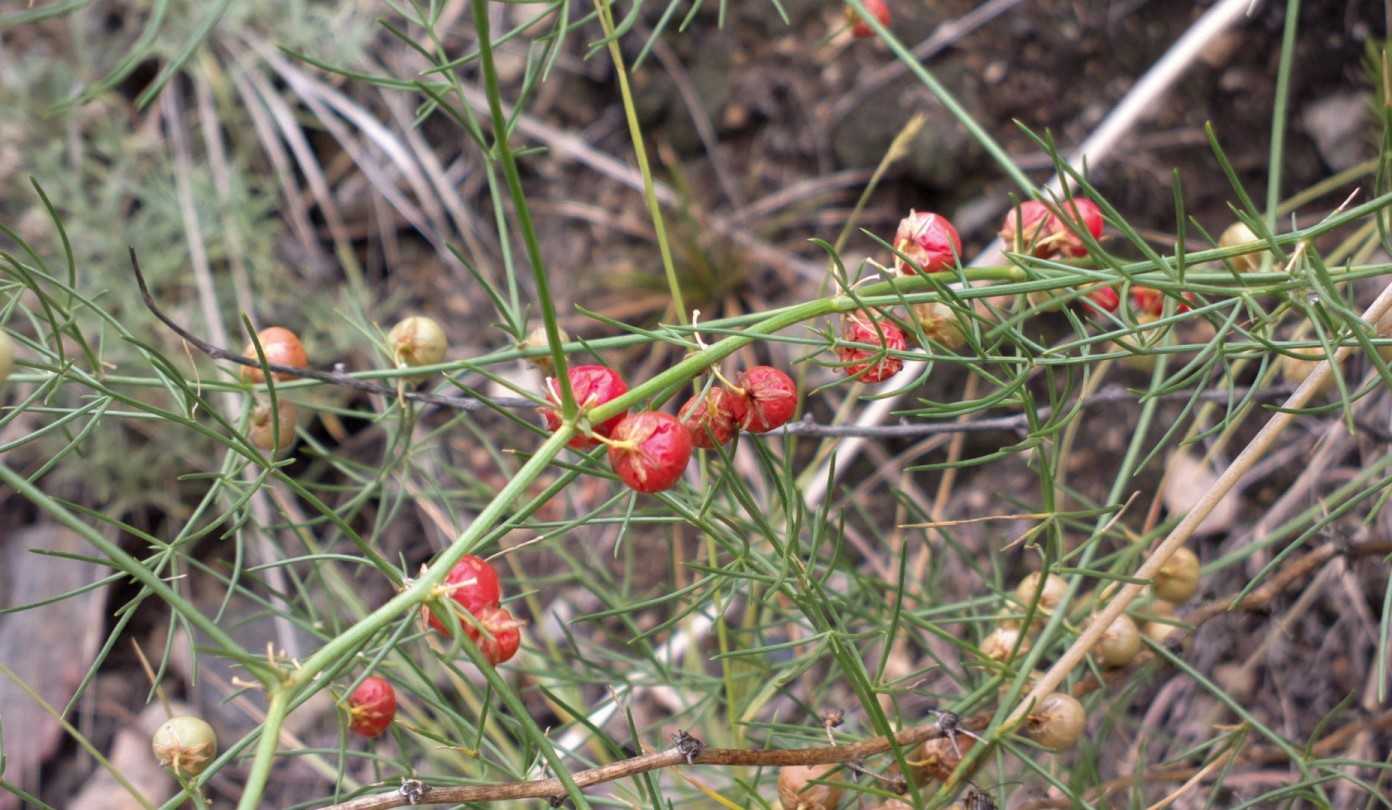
{"x": 687, "y": 750}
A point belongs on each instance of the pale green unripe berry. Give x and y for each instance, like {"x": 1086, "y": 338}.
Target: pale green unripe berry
{"x": 186, "y": 745}
{"x": 418, "y": 341}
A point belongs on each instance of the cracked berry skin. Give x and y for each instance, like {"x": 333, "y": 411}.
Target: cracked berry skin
{"x": 928, "y": 241}
{"x": 593, "y": 386}
{"x": 649, "y": 450}
{"x": 281, "y": 347}
{"x": 718, "y": 413}
{"x": 472, "y": 583}
{"x": 372, "y": 707}
{"x": 770, "y": 396}
{"x": 861, "y": 330}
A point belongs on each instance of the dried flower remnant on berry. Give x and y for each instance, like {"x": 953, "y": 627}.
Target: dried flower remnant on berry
{"x": 418, "y": 341}
{"x": 1045, "y": 231}
{"x": 770, "y": 398}
{"x": 371, "y": 707}
{"x": 713, "y": 418}
{"x": 1057, "y": 722}
{"x": 649, "y": 451}
{"x": 473, "y": 585}
{"x": 186, "y": 745}
{"x": 929, "y": 243}
{"x": 269, "y": 434}
{"x": 592, "y": 386}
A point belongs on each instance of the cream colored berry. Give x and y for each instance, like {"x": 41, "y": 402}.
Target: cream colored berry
{"x": 1057, "y": 722}
{"x": 1178, "y": 578}
{"x": 1119, "y": 644}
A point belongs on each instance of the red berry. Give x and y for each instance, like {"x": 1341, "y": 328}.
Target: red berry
{"x": 770, "y": 396}
{"x": 1079, "y": 213}
{"x": 474, "y": 585}
{"x": 1105, "y": 298}
{"x": 371, "y": 707}
{"x": 1025, "y": 228}
{"x": 928, "y": 241}
{"x": 502, "y": 634}
{"x": 1038, "y": 227}
{"x": 857, "y": 329}
{"x": 593, "y": 386}
{"x": 649, "y": 450}
{"x": 717, "y": 414}
{"x": 1150, "y": 301}
{"x": 281, "y": 347}
{"x": 876, "y": 8}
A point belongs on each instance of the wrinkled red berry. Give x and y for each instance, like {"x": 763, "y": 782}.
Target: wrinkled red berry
{"x": 928, "y": 241}
{"x": 770, "y": 397}
{"x": 1046, "y": 231}
{"x": 877, "y": 9}
{"x": 649, "y": 450}
{"x": 717, "y": 414}
{"x": 593, "y": 386}
{"x": 857, "y": 329}
{"x": 473, "y": 584}
{"x": 371, "y": 707}
{"x": 501, "y": 637}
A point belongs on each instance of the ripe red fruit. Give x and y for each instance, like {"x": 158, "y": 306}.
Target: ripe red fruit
{"x": 502, "y": 637}
{"x": 858, "y": 329}
{"x": 717, "y": 414}
{"x": 876, "y": 8}
{"x": 928, "y": 241}
{"x": 770, "y": 397}
{"x": 649, "y": 450}
{"x": 282, "y": 347}
{"x": 1078, "y": 214}
{"x": 1105, "y": 298}
{"x": 1150, "y": 301}
{"x": 593, "y": 386}
{"x": 371, "y": 707}
{"x": 474, "y": 585}
{"x": 1047, "y": 231}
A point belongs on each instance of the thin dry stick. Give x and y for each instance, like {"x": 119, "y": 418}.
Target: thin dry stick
{"x": 1259, "y": 445}
{"x": 688, "y": 750}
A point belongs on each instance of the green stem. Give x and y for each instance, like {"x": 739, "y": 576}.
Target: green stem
{"x": 519, "y": 201}
{"x": 640, "y": 152}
